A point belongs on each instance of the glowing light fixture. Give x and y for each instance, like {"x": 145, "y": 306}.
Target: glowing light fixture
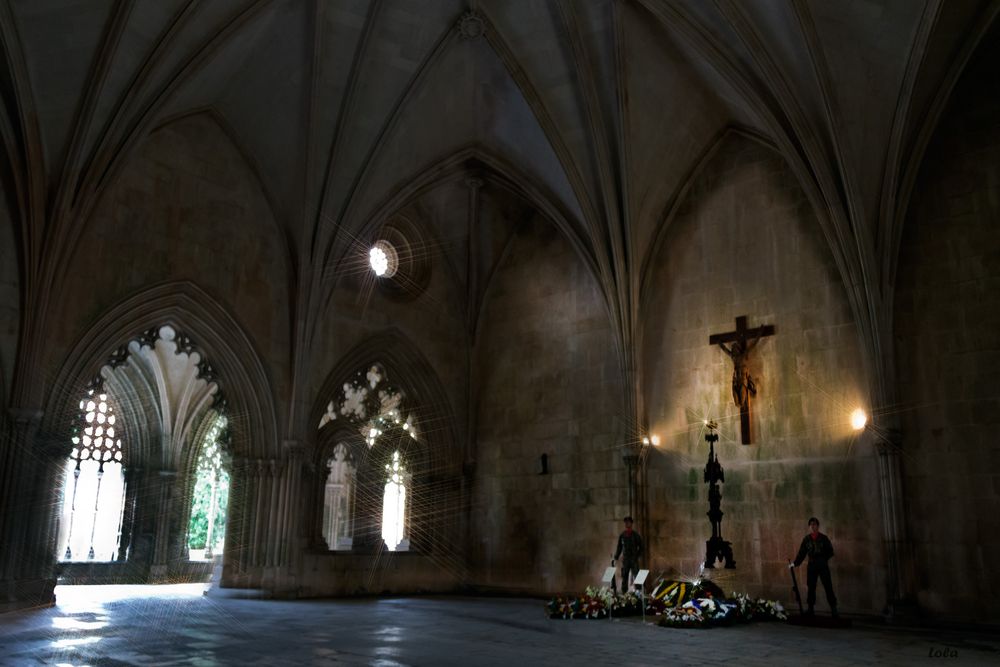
{"x": 655, "y": 440}
{"x": 858, "y": 419}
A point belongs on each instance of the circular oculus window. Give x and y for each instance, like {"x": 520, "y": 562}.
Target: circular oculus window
{"x": 383, "y": 259}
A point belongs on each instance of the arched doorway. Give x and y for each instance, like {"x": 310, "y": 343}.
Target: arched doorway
{"x": 210, "y": 492}
{"x": 145, "y": 492}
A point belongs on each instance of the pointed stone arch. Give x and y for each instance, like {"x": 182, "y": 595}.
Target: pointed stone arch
{"x": 499, "y": 171}
{"x": 187, "y": 308}
{"x": 670, "y": 211}
{"x": 410, "y": 370}
{"x": 453, "y": 166}
{"x": 436, "y": 455}
{"x": 201, "y": 329}
{"x": 218, "y": 119}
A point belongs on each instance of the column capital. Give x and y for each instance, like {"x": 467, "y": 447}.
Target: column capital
{"x": 294, "y": 449}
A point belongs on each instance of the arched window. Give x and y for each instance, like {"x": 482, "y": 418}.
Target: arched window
{"x": 207, "y": 527}
{"x": 394, "y": 508}
{"x": 376, "y": 408}
{"x": 94, "y": 484}
{"x": 338, "y": 500}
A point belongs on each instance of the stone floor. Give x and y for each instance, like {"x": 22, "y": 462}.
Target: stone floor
{"x": 177, "y": 625}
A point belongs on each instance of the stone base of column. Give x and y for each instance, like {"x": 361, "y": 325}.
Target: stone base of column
{"x": 27, "y": 594}
{"x": 901, "y": 612}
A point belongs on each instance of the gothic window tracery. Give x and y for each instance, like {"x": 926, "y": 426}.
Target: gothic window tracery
{"x": 370, "y": 403}
{"x": 94, "y": 483}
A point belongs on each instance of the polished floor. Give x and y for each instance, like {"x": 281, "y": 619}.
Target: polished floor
{"x": 177, "y": 625}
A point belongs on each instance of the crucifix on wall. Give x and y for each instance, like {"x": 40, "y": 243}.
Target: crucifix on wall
{"x": 742, "y": 341}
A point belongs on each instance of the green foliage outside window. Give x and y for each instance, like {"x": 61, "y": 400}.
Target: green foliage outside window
{"x": 210, "y": 473}
{"x": 201, "y": 506}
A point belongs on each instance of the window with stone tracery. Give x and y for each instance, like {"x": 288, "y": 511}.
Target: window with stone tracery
{"x": 338, "y": 500}
{"x": 394, "y": 504}
{"x": 207, "y": 526}
{"x": 94, "y": 483}
{"x": 375, "y": 407}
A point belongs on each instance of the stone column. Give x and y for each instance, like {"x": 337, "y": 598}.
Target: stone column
{"x": 474, "y": 183}
{"x": 270, "y": 531}
{"x": 234, "y": 554}
{"x": 631, "y": 460}
{"x": 163, "y": 518}
{"x": 258, "y": 498}
{"x": 142, "y": 539}
{"x": 46, "y": 497}
{"x": 26, "y": 572}
{"x": 292, "y": 500}
{"x": 132, "y": 476}
{"x": 899, "y": 572}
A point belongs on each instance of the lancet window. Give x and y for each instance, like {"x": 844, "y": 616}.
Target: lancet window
{"x": 338, "y": 500}
{"x": 207, "y": 527}
{"x": 94, "y": 483}
{"x": 376, "y": 408}
{"x": 394, "y": 507}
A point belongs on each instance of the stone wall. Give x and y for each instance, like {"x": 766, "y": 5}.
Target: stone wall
{"x": 185, "y": 207}
{"x": 746, "y": 242}
{"x": 429, "y": 317}
{"x": 548, "y": 382}
{"x": 401, "y": 573}
{"x": 947, "y": 332}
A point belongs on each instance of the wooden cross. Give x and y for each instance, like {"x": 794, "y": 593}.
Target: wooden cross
{"x": 743, "y": 340}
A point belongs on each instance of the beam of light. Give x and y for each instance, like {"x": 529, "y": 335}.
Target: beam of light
{"x": 81, "y": 641}
{"x": 69, "y": 623}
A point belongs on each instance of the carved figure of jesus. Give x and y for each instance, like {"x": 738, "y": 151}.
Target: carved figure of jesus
{"x": 743, "y": 384}
{"x": 741, "y": 342}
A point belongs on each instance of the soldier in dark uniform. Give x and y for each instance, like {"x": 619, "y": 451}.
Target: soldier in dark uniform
{"x": 630, "y": 548}
{"x": 819, "y": 549}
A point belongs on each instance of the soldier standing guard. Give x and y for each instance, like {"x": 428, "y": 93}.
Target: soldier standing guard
{"x": 819, "y": 549}
{"x": 630, "y": 549}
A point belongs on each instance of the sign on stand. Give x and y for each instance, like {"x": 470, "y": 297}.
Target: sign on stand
{"x": 638, "y": 584}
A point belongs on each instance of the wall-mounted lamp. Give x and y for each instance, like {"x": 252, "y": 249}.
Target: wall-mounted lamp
{"x": 858, "y": 419}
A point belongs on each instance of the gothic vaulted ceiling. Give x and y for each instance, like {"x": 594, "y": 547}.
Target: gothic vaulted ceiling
{"x": 605, "y": 106}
